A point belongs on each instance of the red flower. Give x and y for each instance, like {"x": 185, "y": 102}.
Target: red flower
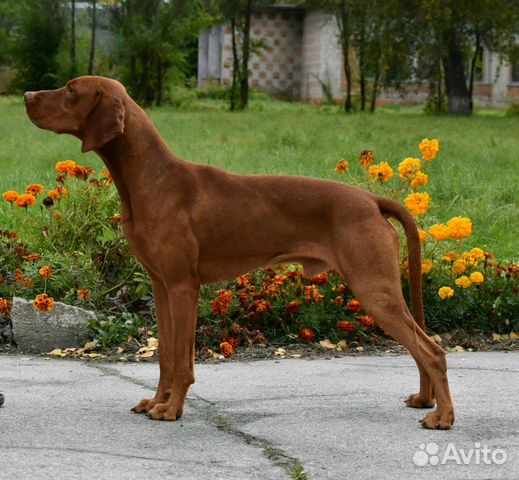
{"x": 293, "y": 306}
{"x": 366, "y": 321}
{"x": 320, "y": 279}
{"x": 227, "y": 349}
{"x": 307, "y": 335}
{"x": 345, "y": 326}
{"x": 354, "y": 306}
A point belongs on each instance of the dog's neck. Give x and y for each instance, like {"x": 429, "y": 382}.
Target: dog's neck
{"x": 127, "y": 160}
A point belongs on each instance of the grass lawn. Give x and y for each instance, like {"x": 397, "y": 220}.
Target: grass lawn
{"x": 476, "y": 174}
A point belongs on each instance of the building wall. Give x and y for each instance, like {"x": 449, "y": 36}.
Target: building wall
{"x": 276, "y": 67}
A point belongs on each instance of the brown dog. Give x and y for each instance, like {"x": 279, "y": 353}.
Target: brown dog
{"x": 191, "y": 224}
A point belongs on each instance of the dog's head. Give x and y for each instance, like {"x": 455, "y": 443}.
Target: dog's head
{"x": 91, "y": 108}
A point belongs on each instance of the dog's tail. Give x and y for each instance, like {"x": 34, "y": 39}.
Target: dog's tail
{"x": 393, "y": 209}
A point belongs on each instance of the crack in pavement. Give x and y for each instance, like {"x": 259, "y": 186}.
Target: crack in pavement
{"x": 210, "y": 412}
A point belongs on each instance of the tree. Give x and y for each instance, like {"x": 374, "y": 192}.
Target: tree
{"x": 36, "y": 40}
{"x": 152, "y": 40}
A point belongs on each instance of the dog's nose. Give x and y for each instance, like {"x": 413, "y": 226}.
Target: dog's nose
{"x": 29, "y": 97}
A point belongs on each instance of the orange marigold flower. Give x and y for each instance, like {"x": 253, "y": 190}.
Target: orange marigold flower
{"x": 439, "y": 232}
{"x": 34, "y": 189}
{"x": 366, "y": 158}
{"x": 293, "y": 306}
{"x": 366, "y": 321}
{"x": 220, "y": 306}
{"x": 312, "y": 294}
{"x": 233, "y": 341}
{"x": 83, "y": 293}
{"x": 409, "y": 167}
{"x": 18, "y": 275}
{"x": 45, "y": 272}
{"x": 319, "y": 279}
{"x": 227, "y": 349}
{"x": 354, "y": 306}
{"x": 10, "y": 196}
{"x": 66, "y": 166}
{"x": 427, "y": 266}
{"x": 43, "y": 303}
{"x": 307, "y": 335}
{"x": 342, "y": 166}
{"x": 81, "y": 172}
{"x": 382, "y": 172}
{"x": 345, "y": 326}
{"x": 429, "y": 148}
{"x": 107, "y": 175}
{"x": 463, "y": 282}
{"x": 459, "y": 228}
{"x": 5, "y": 307}
{"x": 419, "y": 180}
{"x": 26, "y": 200}
{"x": 417, "y": 203}
{"x": 32, "y": 257}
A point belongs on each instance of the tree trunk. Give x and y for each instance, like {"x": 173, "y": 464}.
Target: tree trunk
{"x": 73, "y": 59}
{"x": 244, "y": 80}
{"x": 455, "y": 82}
{"x": 235, "y": 65}
{"x": 342, "y": 23}
{"x": 477, "y": 54}
{"x": 92, "y": 40}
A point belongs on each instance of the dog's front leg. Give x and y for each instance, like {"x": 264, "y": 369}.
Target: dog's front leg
{"x": 176, "y": 312}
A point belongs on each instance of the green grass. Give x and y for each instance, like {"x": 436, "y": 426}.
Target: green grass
{"x": 476, "y": 174}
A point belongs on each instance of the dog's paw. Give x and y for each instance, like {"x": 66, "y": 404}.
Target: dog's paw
{"x": 415, "y": 400}
{"x": 438, "y": 420}
{"x": 144, "y": 405}
{"x": 164, "y": 411}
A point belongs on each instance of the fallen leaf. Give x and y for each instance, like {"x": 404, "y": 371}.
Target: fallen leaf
{"x": 56, "y": 352}
{"x": 327, "y": 344}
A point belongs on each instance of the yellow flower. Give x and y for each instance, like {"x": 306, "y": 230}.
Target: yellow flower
{"x": 420, "y": 179}
{"x": 429, "y": 148}
{"x": 439, "y": 232}
{"x": 408, "y": 167}
{"x": 366, "y": 158}
{"x": 427, "y": 266}
{"x": 459, "y": 267}
{"x": 417, "y": 203}
{"x": 342, "y": 166}
{"x": 10, "y": 196}
{"x": 477, "y": 277}
{"x": 423, "y": 235}
{"x": 382, "y": 171}
{"x": 477, "y": 253}
{"x": 463, "y": 282}
{"x": 450, "y": 257}
{"x": 445, "y": 292}
{"x": 459, "y": 227}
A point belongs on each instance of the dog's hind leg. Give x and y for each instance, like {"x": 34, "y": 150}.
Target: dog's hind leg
{"x": 373, "y": 274}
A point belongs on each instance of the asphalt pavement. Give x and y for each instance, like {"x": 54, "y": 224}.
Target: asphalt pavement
{"x": 340, "y": 418}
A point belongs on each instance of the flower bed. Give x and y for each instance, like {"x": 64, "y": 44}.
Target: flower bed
{"x": 69, "y": 247}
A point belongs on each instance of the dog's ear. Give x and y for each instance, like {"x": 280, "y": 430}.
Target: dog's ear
{"x": 104, "y": 122}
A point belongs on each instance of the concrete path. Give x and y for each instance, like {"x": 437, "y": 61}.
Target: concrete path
{"x": 331, "y": 419}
